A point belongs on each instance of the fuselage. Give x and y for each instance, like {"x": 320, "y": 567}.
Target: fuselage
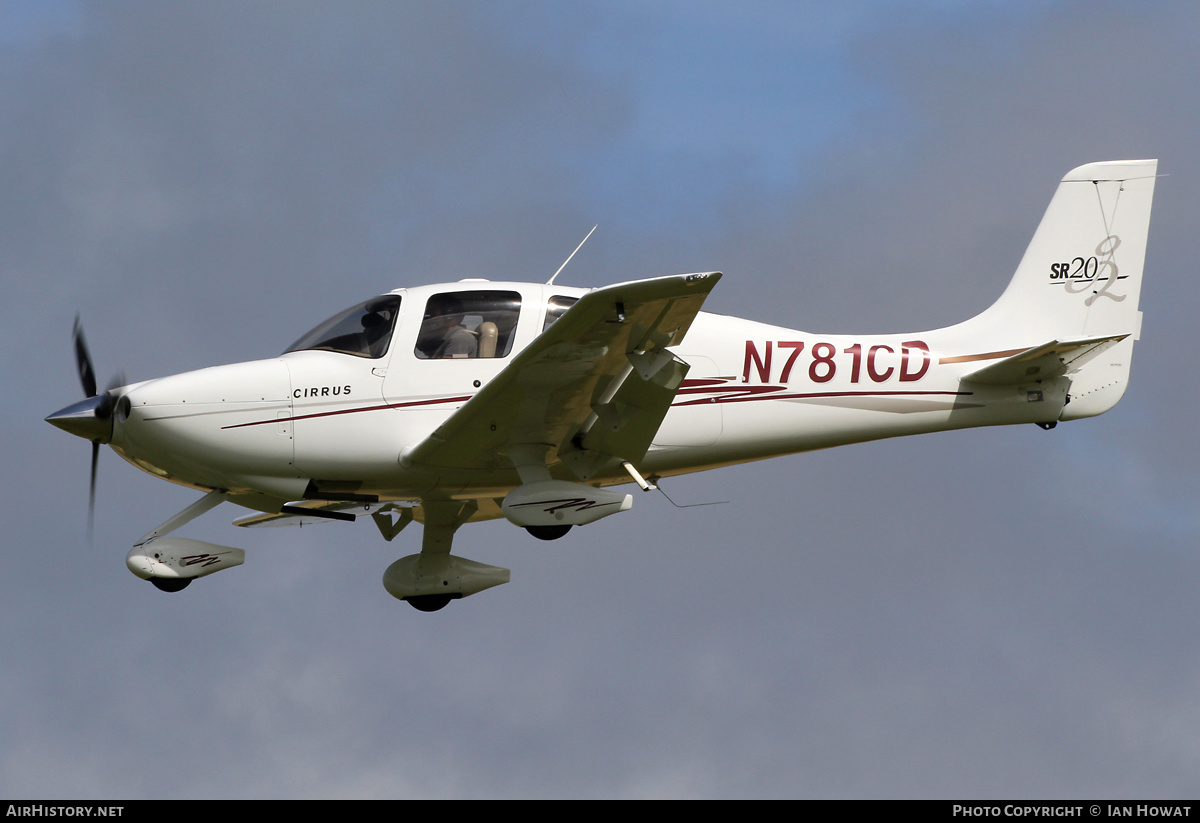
{"x": 342, "y": 414}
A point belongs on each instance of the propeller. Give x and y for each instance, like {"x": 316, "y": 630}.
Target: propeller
{"x": 92, "y": 418}
{"x": 83, "y": 360}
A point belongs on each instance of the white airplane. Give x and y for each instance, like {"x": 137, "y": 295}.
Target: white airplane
{"x": 476, "y": 400}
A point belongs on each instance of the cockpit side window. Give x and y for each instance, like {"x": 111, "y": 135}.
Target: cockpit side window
{"x": 467, "y": 324}
{"x": 556, "y": 307}
{"x": 364, "y": 330}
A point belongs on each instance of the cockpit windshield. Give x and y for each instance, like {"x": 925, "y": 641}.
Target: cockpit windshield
{"x": 363, "y": 330}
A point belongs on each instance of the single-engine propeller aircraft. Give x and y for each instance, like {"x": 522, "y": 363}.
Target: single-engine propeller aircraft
{"x": 477, "y": 400}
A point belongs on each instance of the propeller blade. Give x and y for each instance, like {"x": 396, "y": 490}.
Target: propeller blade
{"x": 92, "y": 488}
{"x": 83, "y": 361}
{"x": 91, "y": 418}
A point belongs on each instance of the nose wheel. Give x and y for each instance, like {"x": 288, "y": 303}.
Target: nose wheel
{"x": 430, "y": 602}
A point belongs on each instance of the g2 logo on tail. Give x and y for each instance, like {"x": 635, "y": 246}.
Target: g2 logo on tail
{"x": 1082, "y": 272}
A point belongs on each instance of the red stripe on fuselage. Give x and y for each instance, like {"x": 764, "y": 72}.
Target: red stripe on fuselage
{"x": 751, "y": 393}
{"x": 462, "y": 399}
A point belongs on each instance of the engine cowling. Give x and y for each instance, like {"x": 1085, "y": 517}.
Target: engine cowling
{"x": 562, "y": 503}
{"x": 181, "y": 558}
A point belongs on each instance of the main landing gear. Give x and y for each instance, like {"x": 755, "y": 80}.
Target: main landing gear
{"x": 170, "y": 584}
{"x": 430, "y": 580}
{"x": 547, "y": 532}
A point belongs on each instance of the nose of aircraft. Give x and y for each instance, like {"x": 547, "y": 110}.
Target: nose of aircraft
{"x": 90, "y": 419}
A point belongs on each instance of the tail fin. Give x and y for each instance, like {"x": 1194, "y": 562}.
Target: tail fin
{"x": 1081, "y": 277}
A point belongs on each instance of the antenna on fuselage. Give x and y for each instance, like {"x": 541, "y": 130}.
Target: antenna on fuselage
{"x": 658, "y": 487}
{"x": 550, "y": 282}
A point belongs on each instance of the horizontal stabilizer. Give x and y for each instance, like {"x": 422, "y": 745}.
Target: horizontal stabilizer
{"x": 1044, "y": 362}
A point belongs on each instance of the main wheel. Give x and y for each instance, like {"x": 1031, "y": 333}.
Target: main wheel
{"x": 547, "y": 532}
{"x": 429, "y": 602}
{"x": 170, "y": 584}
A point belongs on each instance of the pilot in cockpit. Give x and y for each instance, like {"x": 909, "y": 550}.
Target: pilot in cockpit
{"x": 443, "y": 334}
{"x": 375, "y": 328}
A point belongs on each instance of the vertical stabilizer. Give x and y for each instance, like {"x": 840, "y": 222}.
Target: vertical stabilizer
{"x": 1081, "y": 278}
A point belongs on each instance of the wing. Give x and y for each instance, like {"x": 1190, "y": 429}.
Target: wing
{"x": 592, "y": 388}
